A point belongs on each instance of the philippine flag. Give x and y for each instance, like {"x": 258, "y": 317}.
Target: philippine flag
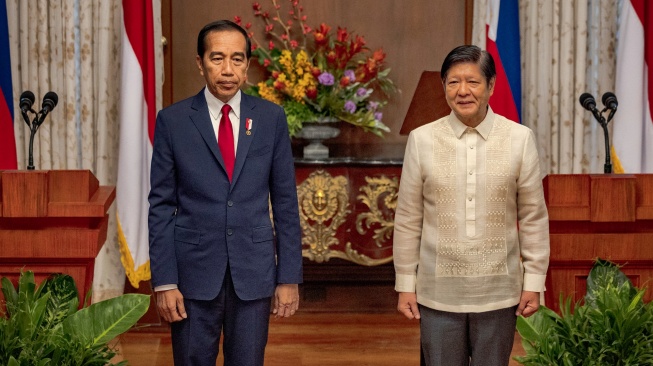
{"x": 7, "y": 140}
{"x": 502, "y": 31}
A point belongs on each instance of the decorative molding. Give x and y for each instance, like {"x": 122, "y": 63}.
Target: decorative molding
{"x": 380, "y": 196}
{"x": 323, "y": 207}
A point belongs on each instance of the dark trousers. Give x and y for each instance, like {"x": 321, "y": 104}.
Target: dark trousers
{"x": 196, "y": 339}
{"x": 467, "y": 339}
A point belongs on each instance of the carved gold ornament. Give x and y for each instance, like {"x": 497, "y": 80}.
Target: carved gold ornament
{"x": 380, "y": 196}
{"x": 323, "y": 207}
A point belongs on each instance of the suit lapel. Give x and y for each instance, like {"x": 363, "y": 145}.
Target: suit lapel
{"x": 247, "y": 106}
{"x": 202, "y": 120}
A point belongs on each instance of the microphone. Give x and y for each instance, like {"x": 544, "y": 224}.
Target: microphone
{"x": 609, "y": 100}
{"x": 26, "y": 101}
{"x": 588, "y": 102}
{"x": 50, "y": 101}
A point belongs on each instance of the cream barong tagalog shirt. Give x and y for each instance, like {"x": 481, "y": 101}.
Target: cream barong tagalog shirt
{"x": 471, "y": 225}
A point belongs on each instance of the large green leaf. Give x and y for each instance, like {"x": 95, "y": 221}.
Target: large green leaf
{"x": 103, "y": 321}
{"x": 603, "y": 276}
{"x": 63, "y": 300}
{"x": 10, "y": 294}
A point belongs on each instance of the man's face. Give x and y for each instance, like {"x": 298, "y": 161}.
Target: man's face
{"x": 468, "y": 92}
{"x": 224, "y": 63}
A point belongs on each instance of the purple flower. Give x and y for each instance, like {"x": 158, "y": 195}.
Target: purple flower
{"x": 378, "y": 116}
{"x": 372, "y": 106}
{"x": 326, "y": 78}
{"x": 350, "y": 107}
{"x": 361, "y": 92}
{"x": 350, "y": 74}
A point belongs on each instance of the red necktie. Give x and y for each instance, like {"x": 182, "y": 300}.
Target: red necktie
{"x": 226, "y": 141}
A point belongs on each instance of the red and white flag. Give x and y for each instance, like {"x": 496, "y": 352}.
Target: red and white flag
{"x": 633, "y": 123}
{"x": 137, "y": 118}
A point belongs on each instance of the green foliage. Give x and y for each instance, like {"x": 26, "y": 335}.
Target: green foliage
{"x": 613, "y": 327}
{"x": 43, "y": 327}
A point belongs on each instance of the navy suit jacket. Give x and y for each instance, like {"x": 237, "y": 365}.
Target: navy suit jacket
{"x": 199, "y": 221}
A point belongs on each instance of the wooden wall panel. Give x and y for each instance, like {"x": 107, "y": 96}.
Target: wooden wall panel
{"x": 416, "y": 35}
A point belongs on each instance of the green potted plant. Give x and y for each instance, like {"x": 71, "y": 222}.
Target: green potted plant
{"x": 43, "y": 326}
{"x": 613, "y": 326}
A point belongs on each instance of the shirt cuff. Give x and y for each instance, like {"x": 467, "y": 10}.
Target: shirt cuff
{"x": 534, "y": 282}
{"x": 165, "y": 288}
{"x": 405, "y": 283}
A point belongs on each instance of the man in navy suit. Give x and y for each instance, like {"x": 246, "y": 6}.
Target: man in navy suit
{"x": 216, "y": 257}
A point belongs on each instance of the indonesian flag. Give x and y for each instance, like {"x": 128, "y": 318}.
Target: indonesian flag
{"x": 502, "y": 42}
{"x": 8, "y": 158}
{"x": 633, "y": 126}
{"x": 137, "y": 117}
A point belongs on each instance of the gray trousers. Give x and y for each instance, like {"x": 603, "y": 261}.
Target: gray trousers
{"x": 467, "y": 339}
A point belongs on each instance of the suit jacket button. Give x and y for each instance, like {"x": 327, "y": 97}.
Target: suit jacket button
{"x": 229, "y": 231}
{"x": 230, "y": 203}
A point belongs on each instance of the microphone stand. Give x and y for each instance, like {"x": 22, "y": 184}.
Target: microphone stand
{"x": 33, "y": 127}
{"x": 607, "y": 167}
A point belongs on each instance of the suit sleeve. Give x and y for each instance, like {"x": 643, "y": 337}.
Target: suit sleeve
{"x": 283, "y": 197}
{"x": 163, "y": 205}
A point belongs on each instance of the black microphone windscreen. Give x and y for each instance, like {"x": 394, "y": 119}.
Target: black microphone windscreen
{"x": 587, "y": 101}
{"x": 50, "y": 100}
{"x": 26, "y": 101}
{"x": 609, "y": 100}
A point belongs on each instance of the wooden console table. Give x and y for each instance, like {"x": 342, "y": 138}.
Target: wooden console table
{"x": 346, "y": 209}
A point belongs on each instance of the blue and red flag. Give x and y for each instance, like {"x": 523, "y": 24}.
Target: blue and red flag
{"x": 7, "y": 139}
{"x": 502, "y": 42}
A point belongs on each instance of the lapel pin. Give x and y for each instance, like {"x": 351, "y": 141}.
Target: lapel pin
{"x": 248, "y": 126}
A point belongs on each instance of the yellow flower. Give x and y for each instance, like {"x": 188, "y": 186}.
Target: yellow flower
{"x": 268, "y": 93}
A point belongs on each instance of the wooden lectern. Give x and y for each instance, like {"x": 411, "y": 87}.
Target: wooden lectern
{"x": 608, "y": 216}
{"x": 52, "y": 221}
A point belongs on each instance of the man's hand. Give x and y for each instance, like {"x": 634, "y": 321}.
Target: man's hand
{"x": 407, "y": 305}
{"x": 170, "y": 304}
{"x": 528, "y": 304}
{"x": 286, "y": 300}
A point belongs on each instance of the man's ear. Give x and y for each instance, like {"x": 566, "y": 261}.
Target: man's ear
{"x": 491, "y": 84}
{"x": 200, "y": 65}
{"x": 247, "y": 69}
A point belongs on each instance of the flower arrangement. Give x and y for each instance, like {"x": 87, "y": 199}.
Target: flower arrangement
{"x": 321, "y": 78}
